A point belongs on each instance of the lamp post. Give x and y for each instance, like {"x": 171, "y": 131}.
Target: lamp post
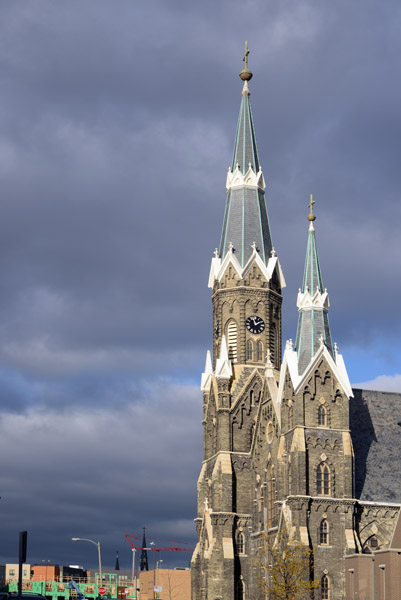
{"x": 157, "y": 577}
{"x": 154, "y": 566}
{"x": 98, "y": 549}
{"x": 133, "y": 571}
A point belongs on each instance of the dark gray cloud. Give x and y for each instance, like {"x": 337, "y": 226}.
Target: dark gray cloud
{"x": 116, "y": 129}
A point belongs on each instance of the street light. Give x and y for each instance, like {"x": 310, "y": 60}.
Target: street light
{"x": 154, "y": 565}
{"x": 157, "y": 578}
{"x": 98, "y": 549}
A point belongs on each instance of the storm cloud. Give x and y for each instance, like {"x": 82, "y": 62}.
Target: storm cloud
{"x": 117, "y": 121}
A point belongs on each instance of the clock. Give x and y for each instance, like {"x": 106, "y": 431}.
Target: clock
{"x": 255, "y": 324}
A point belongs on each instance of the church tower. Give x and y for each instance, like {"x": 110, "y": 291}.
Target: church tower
{"x": 279, "y": 435}
{"x": 246, "y": 281}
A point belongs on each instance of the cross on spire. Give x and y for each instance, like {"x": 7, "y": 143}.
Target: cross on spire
{"x": 311, "y": 216}
{"x": 245, "y": 59}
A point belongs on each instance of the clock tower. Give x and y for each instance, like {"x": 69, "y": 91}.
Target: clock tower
{"x": 246, "y": 281}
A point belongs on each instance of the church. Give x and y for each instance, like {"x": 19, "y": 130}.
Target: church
{"x": 286, "y": 438}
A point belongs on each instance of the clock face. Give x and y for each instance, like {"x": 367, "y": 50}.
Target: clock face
{"x": 255, "y": 324}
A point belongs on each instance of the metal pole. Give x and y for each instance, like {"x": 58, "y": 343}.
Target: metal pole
{"x": 100, "y": 563}
{"x": 133, "y": 571}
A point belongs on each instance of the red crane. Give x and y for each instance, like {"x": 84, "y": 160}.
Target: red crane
{"x": 153, "y": 547}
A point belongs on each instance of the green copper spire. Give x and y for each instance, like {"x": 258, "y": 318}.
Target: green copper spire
{"x": 312, "y": 275}
{"x": 313, "y": 303}
{"x": 246, "y": 220}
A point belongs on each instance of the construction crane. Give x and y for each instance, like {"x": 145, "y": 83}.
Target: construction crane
{"x": 153, "y": 546}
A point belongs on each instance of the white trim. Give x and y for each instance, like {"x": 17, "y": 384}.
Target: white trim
{"x": 206, "y": 378}
{"x": 235, "y": 179}
{"x": 218, "y": 268}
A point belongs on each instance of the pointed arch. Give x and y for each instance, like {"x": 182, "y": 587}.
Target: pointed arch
{"x": 324, "y": 532}
{"x": 271, "y": 495}
{"x": 240, "y": 543}
{"x": 240, "y": 589}
{"x": 290, "y": 416}
{"x": 259, "y": 351}
{"x": 323, "y": 479}
{"x": 249, "y": 350}
{"x": 325, "y": 587}
{"x": 322, "y": 416}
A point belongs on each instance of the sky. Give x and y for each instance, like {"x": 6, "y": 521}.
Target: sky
{"x": 117, "y": 123}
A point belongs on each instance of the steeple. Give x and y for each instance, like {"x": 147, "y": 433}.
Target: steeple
{"x": 143, "y": 564}
{"x": 313, "y": 303}
{"x": 246, "y": 220}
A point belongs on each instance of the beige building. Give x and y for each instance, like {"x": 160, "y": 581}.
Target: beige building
{"x": 175, "y": 584}
{"x": 12, "y": 572}
{"x": 375, "y": 575}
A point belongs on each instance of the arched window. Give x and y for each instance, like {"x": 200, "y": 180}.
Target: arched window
{"x": 325, "y": 588}
{"x": 249, "y": 350}
{"x": 323, "y": 480}
{"x": 232, "y": 340}
{"x": 240, "y": 590}
{"x": 259, "y": 351}
{"x": 322, "y": 416}
{"x": 324, "y": 532}
{"x": 240, "y": 543}
{"x": 271, "y": 495}
{"x": 289, "y": 479}
{"x": 290, "y": 417}
{"x": 269, "y": 432}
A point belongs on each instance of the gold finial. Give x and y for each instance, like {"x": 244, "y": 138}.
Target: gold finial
{"x": 311, "y": 216}
{"x": 246, "y": 74}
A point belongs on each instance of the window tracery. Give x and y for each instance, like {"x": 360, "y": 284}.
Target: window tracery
{"x": 324, "y": 532}
{"x": 323, "y": 479}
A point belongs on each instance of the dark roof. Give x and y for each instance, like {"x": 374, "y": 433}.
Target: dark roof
{"x": 376, "y": 437}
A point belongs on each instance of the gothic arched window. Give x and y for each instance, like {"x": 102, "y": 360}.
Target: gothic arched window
{"x": 289, "y": 479}
{"x": 271, "y": 493}
{"x": 325, "y": 588}
{"x": 323, "y": 479}
{"x": 232, "y": 340}
{"x": 290, "y": 417}
{"x": 249, "y": 350}
{"x": 240, "y": 543}
{"x": 240, "y": 590}
{"x": 324, "y": 532}
{"x": 322, "y": 416}
{"x": 259, "y": 351}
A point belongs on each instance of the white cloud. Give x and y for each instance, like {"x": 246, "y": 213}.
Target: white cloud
{"x": 382, "y": 383}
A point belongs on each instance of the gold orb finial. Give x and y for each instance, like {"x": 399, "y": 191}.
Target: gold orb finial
{"x": 246, "y": 74}
{"x": 311, "y": 216}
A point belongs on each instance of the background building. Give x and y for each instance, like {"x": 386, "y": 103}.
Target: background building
{"x": 175, "y": 584}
